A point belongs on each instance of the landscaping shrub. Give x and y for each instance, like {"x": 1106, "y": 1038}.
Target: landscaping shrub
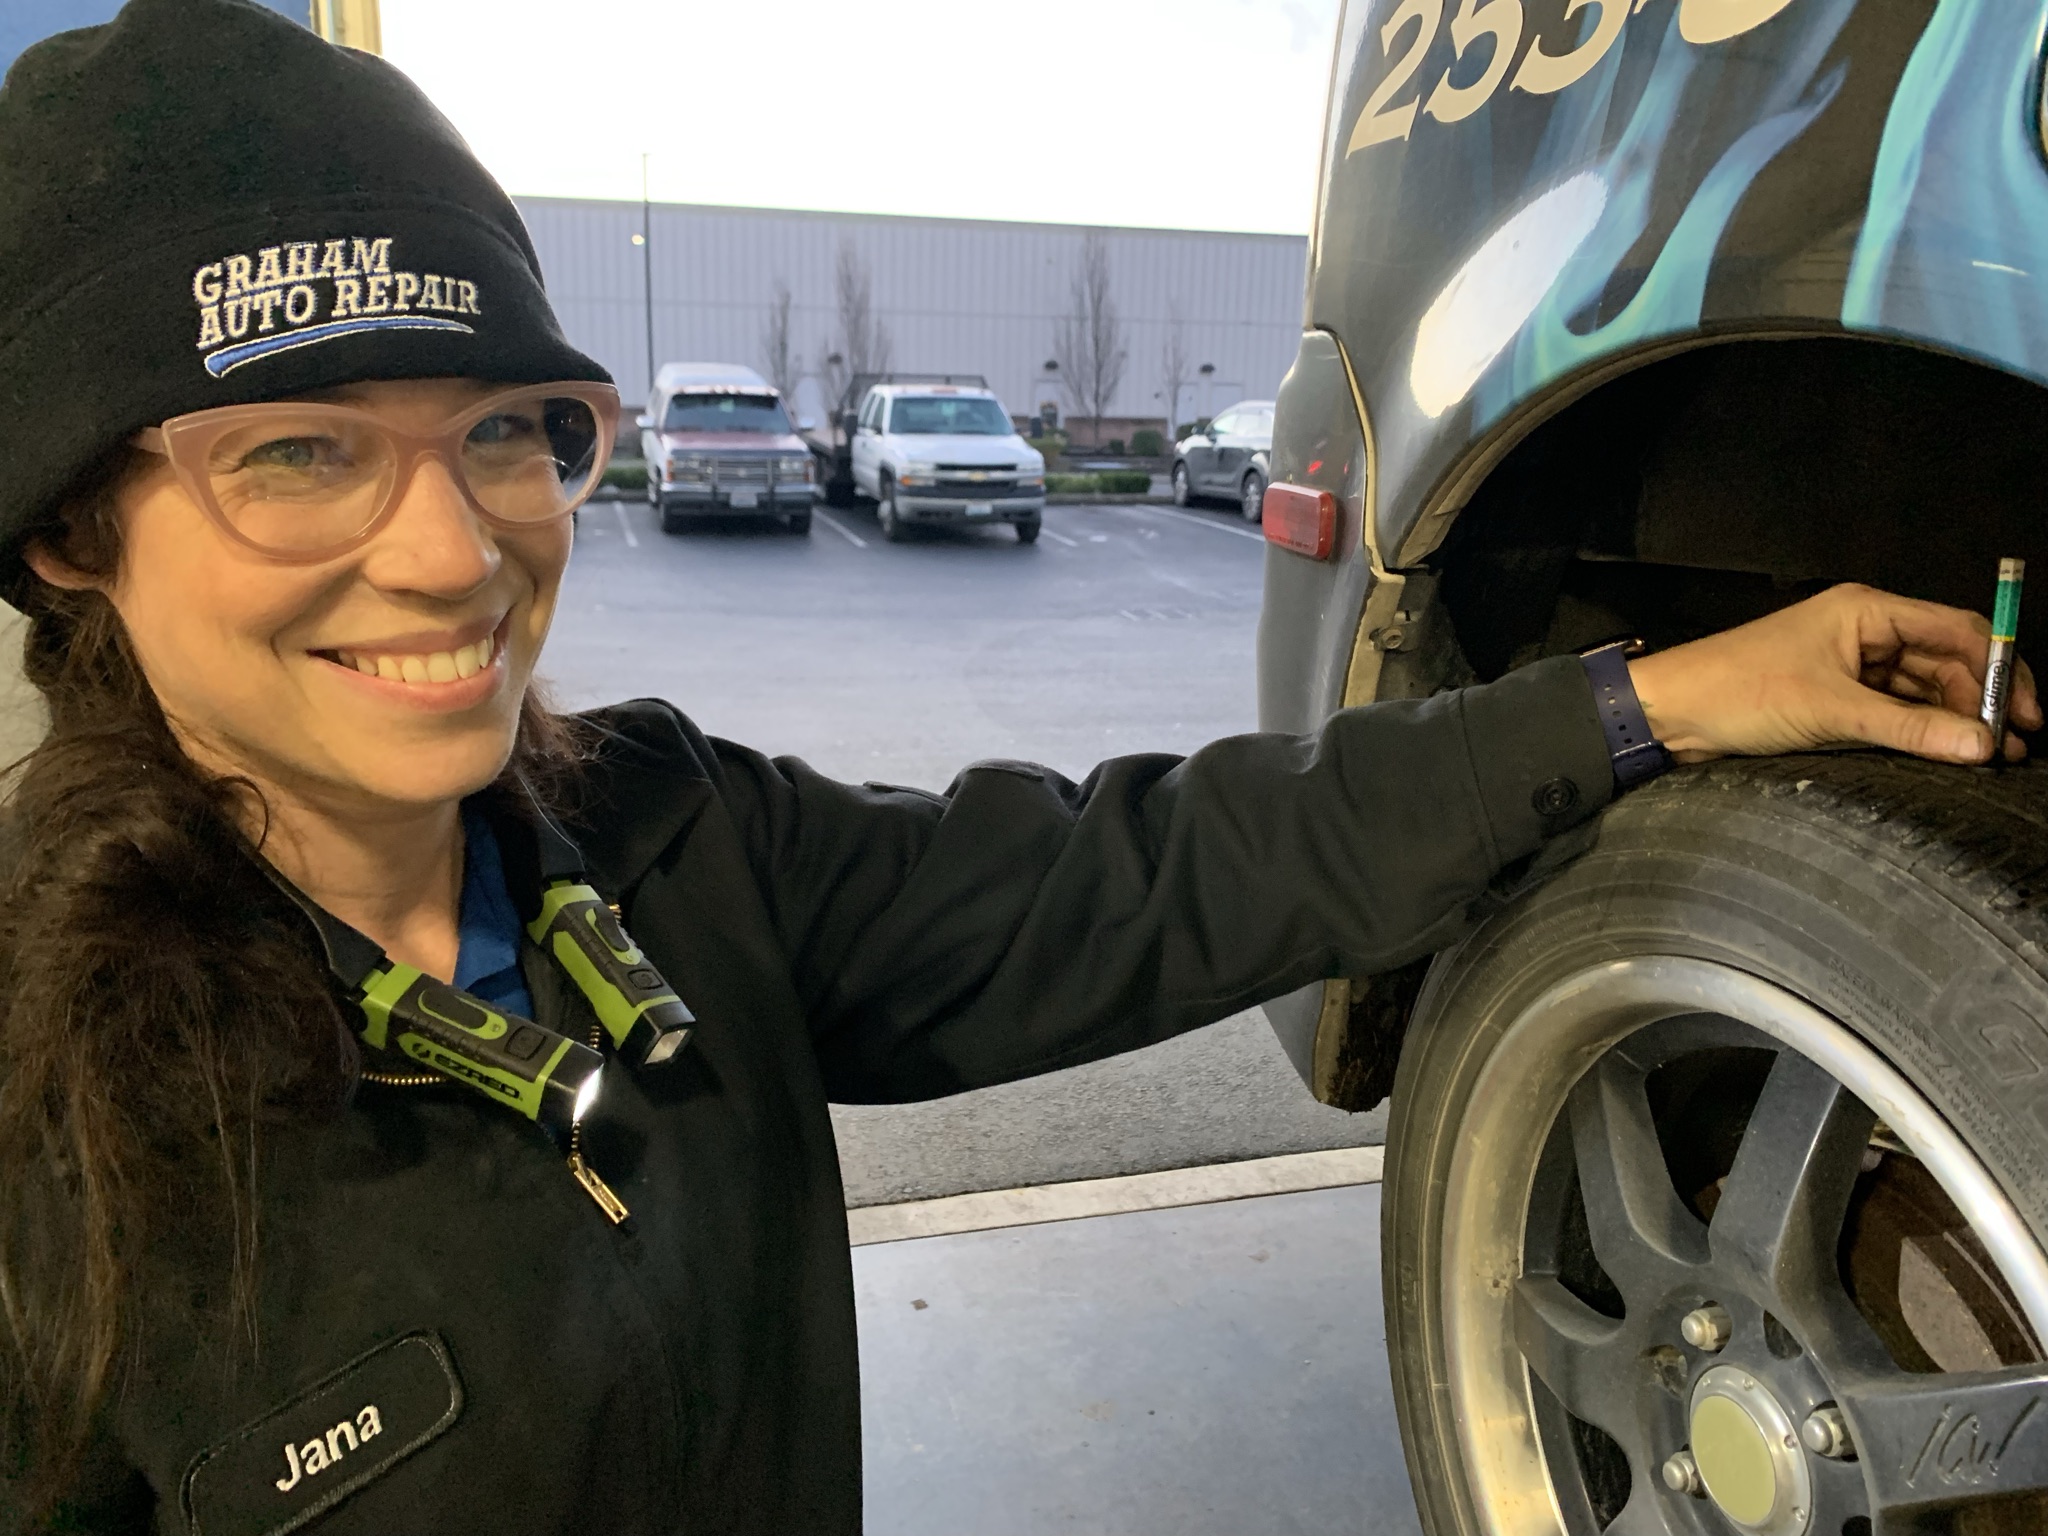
{"x": 628, "y": 476}
{"x": 1125, "y": 482}
{"x": 1147, "y": 444}
{"x": 1115, "y": 447}
{"x": 1072, "y": 485}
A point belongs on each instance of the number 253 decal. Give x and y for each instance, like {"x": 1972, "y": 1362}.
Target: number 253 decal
{"x": 1500, "y": 23}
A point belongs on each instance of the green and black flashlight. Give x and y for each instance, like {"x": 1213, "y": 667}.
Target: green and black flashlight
{"x": 647, "y": 1022}
{"x": 547, "y": 1077}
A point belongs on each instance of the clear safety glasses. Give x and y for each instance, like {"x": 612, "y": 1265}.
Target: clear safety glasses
{"x": 305, "y": 481}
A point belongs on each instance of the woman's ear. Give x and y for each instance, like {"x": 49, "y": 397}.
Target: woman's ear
{"x": 56, "y": 570}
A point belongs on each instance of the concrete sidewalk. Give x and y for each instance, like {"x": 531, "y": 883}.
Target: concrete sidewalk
{"x": 1204, "y": 1370}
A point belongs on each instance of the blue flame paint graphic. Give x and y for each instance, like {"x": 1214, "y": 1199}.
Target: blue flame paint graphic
{"x": 1954, "y": 246}
{"x": 1669, "y": 300}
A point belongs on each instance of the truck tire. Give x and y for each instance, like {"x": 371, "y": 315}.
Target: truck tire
{"x": 1654, "y": 1262}
{"x": 800, "y": 524}
{"x": 1027, "y": 532}
{"x": 891, "y": 521}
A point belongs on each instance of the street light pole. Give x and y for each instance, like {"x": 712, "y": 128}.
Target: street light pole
{"x": 647, "y": 268}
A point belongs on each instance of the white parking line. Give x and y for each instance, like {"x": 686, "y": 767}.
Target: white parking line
{"x": 1192, "y": 521}
{"x": 841, "y": 529}
{"x": 625, "y": 527}
{"x": 1061, "y": 538}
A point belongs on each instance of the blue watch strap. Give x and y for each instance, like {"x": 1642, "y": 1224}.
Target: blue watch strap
{"x": 1635, "y": 753}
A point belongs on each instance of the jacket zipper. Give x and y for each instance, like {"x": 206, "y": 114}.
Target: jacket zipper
{"x": 613, "y": 1207}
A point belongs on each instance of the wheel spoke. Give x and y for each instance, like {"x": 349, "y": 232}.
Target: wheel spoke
{"x": 1644, "y": 1513}
{"x": 1568, "y": 1346}
{"x": 1951, "y": 1439}
{"x": 1781, "y": 1212}
{"x": 1641, "y": 1230}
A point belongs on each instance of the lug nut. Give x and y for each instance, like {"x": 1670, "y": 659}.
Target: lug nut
{"x": 1682, "y": 1474}
{"x": 1707, "y": 1328}
{"x": 1826, "y": 1433}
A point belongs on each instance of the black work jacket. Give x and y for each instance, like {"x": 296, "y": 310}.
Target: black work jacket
{"x": 451, "y": 1326}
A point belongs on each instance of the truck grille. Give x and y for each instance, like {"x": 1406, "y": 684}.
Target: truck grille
{"x": 729, "y": 472}
{"x": 993, "y": 469}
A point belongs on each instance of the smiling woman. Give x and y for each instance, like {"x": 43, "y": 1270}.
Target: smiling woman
{"x": 357, "y": 1165}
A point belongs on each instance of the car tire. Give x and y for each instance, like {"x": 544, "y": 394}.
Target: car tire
{"x": 1620, "y": 1108}
{"x": 673, "y": 521}
{"x": 891, "y": 521}
{"x": 1027, "y": 533}
{"x": 1183, "y": 494}
{"x": 1251, "y": 497}
{"x": 800, "y": 524}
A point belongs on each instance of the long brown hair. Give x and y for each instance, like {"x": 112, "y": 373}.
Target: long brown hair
{"x": 159, "y": 1004}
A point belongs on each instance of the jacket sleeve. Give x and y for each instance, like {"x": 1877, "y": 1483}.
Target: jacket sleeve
{"x": 1021, "y": 922}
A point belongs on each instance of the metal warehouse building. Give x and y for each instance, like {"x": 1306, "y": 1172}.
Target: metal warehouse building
{"x": 955, "y": 295}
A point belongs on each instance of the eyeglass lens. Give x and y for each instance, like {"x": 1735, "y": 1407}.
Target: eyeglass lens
{"x": 318, "y": 477}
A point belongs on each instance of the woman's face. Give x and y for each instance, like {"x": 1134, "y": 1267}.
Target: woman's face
{"x": 389, "y": 676}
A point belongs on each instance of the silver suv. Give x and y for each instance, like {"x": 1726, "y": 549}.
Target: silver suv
{"x": 1231, "y": 457}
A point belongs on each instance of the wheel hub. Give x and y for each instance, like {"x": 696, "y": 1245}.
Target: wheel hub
{"x": 1748, "y": 1454}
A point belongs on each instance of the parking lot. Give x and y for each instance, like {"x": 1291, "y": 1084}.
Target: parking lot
{"x": 1125, "y": 628}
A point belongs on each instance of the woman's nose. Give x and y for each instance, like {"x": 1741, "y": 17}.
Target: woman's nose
{"x": 434, "y": 541}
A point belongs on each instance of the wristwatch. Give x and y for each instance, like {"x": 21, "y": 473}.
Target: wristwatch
{"x": 1635, "y": 753}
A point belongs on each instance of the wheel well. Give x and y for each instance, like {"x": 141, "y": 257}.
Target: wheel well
{"x": 1717, "y": 485}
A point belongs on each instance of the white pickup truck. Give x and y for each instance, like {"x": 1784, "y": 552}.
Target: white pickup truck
{"x": 942, "y": 453}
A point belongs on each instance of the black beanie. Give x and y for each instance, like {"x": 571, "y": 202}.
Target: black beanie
{"x": 201, "y": 204}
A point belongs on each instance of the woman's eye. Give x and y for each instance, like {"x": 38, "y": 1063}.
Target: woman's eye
{"x": 301, "y": 454}
{"x": 504, "y": 428}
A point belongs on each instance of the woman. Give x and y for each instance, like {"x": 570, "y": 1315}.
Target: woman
{"x": 289, "y": 1231}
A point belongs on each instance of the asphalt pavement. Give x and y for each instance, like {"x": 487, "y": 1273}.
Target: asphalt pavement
{"x": 1126, "y": 628}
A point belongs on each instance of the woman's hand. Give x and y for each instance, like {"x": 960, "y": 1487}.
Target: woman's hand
{"x": 1851, "y": 667}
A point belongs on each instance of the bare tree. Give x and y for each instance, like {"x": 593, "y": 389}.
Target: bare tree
{"x": 863, "y": 345}
{"x": 1090, "y": 337}
{"x": 1174, "y": 368}
{"x": 784, "y": 365}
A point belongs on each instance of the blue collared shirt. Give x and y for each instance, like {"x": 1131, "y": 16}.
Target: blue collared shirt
{"x": 487, "y": 956}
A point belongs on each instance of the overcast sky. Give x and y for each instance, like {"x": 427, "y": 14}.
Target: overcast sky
{"x": 1198, "y": 114}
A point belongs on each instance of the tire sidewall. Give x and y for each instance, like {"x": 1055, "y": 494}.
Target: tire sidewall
{"x": 1182, "y": 493}
{"x": 1735, "y": 876}
{"x": 1250, "y": 508}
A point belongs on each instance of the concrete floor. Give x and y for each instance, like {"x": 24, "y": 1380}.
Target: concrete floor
{"x": 1216, "y": 1370}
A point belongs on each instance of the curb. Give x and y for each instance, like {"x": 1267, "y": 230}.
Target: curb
{"x": 1288, "y": 1174}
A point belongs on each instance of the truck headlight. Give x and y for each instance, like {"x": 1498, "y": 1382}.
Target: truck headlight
{"x": 795, "y": 466}
{"x": 689, "y": 466}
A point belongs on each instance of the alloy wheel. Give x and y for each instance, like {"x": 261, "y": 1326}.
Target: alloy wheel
{"x": 1748, "y": 1281}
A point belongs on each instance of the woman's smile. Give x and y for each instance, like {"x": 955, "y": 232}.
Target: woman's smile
{"x": 443, "y": 670}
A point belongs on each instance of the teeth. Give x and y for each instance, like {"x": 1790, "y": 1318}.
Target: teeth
{"x": 438, "y": 667}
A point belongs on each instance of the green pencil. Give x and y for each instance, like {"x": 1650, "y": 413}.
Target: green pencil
{"x": 2005, "y": 632}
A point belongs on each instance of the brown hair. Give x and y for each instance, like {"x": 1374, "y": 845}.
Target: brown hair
{"x": 136, "y": 1074}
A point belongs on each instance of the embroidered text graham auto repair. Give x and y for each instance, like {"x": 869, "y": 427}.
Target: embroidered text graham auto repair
{"x": 301, "y": 293}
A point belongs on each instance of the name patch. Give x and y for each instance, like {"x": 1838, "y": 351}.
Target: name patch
{"x": 303, "y": 292}
{"x": 301, "y": 1459}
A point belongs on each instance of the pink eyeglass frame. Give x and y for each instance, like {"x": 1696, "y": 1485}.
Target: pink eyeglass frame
{"x": 186, "y": 440}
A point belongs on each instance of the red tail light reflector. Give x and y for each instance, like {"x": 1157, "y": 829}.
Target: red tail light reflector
{"x": 1300, "y": 519}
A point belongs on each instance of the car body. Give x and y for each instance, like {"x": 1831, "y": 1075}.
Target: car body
{"x": 1644, "y": 318}
{"x": 718, "y": 440}
{"x": 1230, "y": 458}
{"x": 945, "y": 454}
